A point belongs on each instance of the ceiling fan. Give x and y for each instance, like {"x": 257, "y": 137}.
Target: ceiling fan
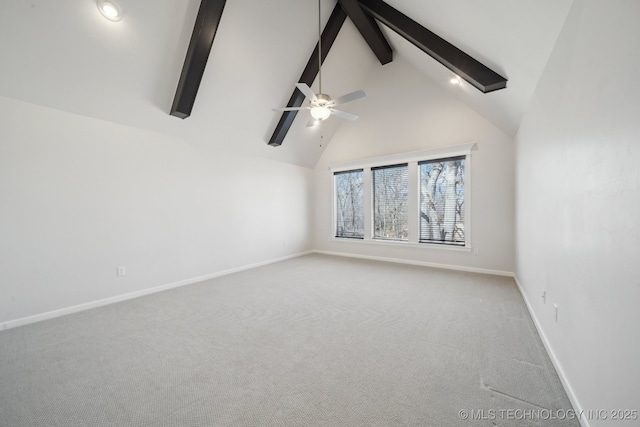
{"x": 321, "y": 105}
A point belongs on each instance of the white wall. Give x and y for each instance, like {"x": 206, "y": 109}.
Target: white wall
{"x": 404, "y": 112}
{"x": 80, "y": 196}
{"x": 578, "y": 204}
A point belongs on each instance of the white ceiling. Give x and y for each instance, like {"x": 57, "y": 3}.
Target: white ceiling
{"x": 66, "y": 56}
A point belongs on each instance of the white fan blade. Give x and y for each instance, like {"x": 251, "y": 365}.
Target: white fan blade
{"x": 311, "y": 122}
{"x": 343, "y": 115}
{"x": 307, "y": 91}
{"x": 291, "y": 109}
{"x": 349, "y": 97}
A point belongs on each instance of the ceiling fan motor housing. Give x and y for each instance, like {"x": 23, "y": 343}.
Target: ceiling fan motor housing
{"x": 321, "y": 100}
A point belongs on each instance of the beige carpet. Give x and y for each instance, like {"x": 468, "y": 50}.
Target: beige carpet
{"x": 313, "y": 341}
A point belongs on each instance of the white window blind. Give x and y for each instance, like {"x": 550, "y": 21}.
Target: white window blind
{"x": 349, "y": 193}
{"x": 390, "y": 202}
{"x": 442, "y": 209}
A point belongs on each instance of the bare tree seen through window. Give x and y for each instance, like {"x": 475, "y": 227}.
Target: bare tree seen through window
{"x": 349, "y": 204}
{"x": 442, "y": 210}
{"x": 390, "y": 202}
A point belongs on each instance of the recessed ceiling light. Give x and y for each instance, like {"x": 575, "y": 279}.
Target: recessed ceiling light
{"x": 455, "y": 80}
{"x": 109, "y": 10}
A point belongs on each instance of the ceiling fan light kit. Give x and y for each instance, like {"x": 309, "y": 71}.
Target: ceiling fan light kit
{"x": 320, "y": 112}
{"x": 320, "y": 107}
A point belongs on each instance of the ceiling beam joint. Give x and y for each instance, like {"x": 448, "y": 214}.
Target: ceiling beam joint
{"x": 369, "y": 29}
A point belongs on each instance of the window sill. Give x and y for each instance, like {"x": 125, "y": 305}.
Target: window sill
{"x": 429, "y": 246}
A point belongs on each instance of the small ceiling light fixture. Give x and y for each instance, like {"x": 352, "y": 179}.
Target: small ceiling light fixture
{"x": 320, "y": 113}
{"x": 109, "y": 10}
{"x": 455, "y": 80}
{"x": 319, "y": 107}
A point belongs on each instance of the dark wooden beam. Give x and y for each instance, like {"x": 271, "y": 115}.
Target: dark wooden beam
{"x": 204, "y": 31}
{"x": 369, "y": 29}
{"x": 329, "y": 34}
{"x": 468, "y": 68}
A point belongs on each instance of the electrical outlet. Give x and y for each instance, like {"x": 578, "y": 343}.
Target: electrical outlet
{"x": 121, "y": 271}
{"x": 555, "y": 310}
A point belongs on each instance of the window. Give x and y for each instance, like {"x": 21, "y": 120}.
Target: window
{"x": 418, "y": 199}
{"x": 349, "y": 199}
{"x": 390, "y": 202}
{"x": 442, "y": 201}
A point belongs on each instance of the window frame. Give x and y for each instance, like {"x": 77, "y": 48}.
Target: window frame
{"x": 412, "y": 159}
{"x": 419, "y": 195}
{"x": 335, "y": 174}
{"x": 373, "y": 203}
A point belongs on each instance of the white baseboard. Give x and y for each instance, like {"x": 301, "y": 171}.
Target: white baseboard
{"x": 102, "y": 302}
{"x": 584, "y": 422}
{"x": 421, "y": 263}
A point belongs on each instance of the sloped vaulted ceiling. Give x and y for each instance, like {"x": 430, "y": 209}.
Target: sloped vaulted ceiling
{"x": 364, "y": 14}
{"x": 66, "y": 56}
